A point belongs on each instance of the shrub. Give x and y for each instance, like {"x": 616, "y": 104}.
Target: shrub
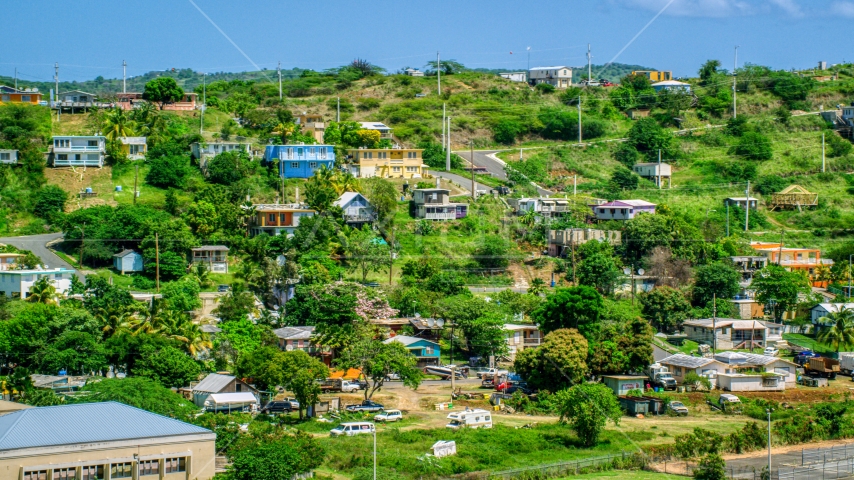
{"x": 168, "y": 171}
{"x": 838, "y": 146}
{"x": 506, "y": 131}
{"x": 766, "y": 185}
{"x": 627, "y": 155}
{"x": 752, "y": 146}
{"x": 49, "y": 200}
{"x": 545, "y": 88}
{"x": 624, "y": 179}
{"x": 369, "y": 104}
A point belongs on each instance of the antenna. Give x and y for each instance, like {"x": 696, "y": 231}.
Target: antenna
{"x": 279, "y": 70}
{"x": 439, "y": 73}
{"x": 589, "y": 66}
{"x": 124, "y": 76}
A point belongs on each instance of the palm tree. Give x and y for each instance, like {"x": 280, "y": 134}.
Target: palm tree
{"x": 114, "y": 320}
{"x": 195, "y": 340}
{"x": 117, "y": 124}
{"x": 529, "y": 219}
{"x": 841, "y": 332}
{"x": 43, "y": 291}
{"x": 344, "y": 182}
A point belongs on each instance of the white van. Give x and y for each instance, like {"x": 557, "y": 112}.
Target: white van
{"x": 354, "y": 428}
{"x": 477, "y": 418}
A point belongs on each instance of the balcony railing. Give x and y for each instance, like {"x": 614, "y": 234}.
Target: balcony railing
{"x": 533, "y": 342}
{"x": 79, "y": 148}
{"x": 359, "y": 218}
{"x": 441, "y": 216}
{"x": 546, "y": 208}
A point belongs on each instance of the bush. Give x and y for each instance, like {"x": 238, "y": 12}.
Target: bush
{"x": 838, "y": 146}
{"x": 506, "y": 131}
{"x": 752, "y": 146}
{"x": 627, "y": 155}
{"x": 545, "y": 88}
{"x": 624, "y": 179}
{"x": 646, "y": 135}
{"x": 766, "y": 185}
{"x": 168, "y": 171}
{"x": 49, "y": 200}
{"x": 369, "y": 104}
{"x": 570, "y": 96}
{"x": 229, "y": 167}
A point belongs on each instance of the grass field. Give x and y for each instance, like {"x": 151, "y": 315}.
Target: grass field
{"x": 625, "y": 475}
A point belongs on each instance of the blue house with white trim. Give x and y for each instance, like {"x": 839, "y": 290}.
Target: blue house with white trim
{"x": 127, "y": 261}
{"x": 300, "y": 161}
{"x": 426, "y": 351}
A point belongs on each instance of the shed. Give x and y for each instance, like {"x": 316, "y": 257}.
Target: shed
{"x": 793, "y": 196}
{"x": 229, "y": 402}
{"x": 742, "y": 202}
{"x": 739, "y": 382}
{"x": 634, "y": 405}
{"x": 127, "y": 261}
{"x": 218, "y": 383}
{"x": 621, "y": 384}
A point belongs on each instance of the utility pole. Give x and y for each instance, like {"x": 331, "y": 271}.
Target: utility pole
{"x": 82, "y": 239}
{"x": 714, "y": 322}
{"x": 135, "y": 180}
{"x": 780, "y": 253}
{"x": 438, "y": 73}
{"x": 768, "y": 411}
{"x": 448, "y": 151}
{"x": 157, "y": 261}
{"x": 727, "y": 219}
{"x": 443, "y": 124}
{"x": 747, "y": 206}
{"x": 589, "y": 67}
{"x": 734, "y": 67}
{"x": 529, "y": 59}
{"x": 56, "y": 88}
{"x": 659, "y": 169}
{"x": 391, "y": 258}
{"x": 822, "y": 153}
{"x": 338, "y": 110}
{"x": 124, "y": 76}
{"x": 471, "y": 156}
{"x": 204, "y": 101}
{"x": 579, "y": 120}
{"x": 574, "y": 184}
{"x": 16, "y": 78}
{"x": 279, "y": 70}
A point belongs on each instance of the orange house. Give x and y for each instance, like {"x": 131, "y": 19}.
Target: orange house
{"x": 12, "y": 95}
{"x": 794, "y": 259}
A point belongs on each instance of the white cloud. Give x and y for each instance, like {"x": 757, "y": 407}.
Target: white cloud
{"x": 845, "y": 9}
{"x": 722, "y": 8}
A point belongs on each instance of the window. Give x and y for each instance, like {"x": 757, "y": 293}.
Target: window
{"x": 368, "y": 155}
{"x": 92, "y": 143}
{"x": 294, "y": 165}
{"x": 64, "y": 473}
{"x": 322, "y": 151}
{"x": 62, "y": 143}
{"x": 173, "y": 465}
{"x": 299, "y": 152}
{"x": 121, "y": 470}
{"x": 289, "y": 153}
{"x": 271, "y": 217}
{"x": 5, "y": 156}
{"x": 149, "y": 467}
{"x": 412, "y": 169}
{"x": 282, "y": 218}
{"x": 76, "y": 156}
{"x": 36, "y": 475}
{"x": 312, "y": 164}
{"x": 25, "y": 98}
{"x": 62, "y": 156}
{"x": 237, "y": 388}
{"x": 92, "y": 472}
{"x": 395, "y": 169}
{"x": 428, "y": 350}
{"x": 6, "y": 98}
{"x": 311, "y": 151}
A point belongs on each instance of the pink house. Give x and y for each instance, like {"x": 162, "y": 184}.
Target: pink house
{"x": 622, "y": 209}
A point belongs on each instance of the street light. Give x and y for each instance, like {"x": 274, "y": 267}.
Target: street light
{"x": 375, "y": 451}
{"x": 768, "y": 411}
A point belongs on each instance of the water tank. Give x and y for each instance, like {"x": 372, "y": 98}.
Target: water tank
{"x": 118, "y": 188}
{"x": 88, "y": 189}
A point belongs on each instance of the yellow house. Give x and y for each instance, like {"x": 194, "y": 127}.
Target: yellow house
{"x": 134, "y": 147}
{"x": 654, "y": 75}
{"x": 100, "y": 441}
{"x": 13, "y": 95}
{"x": 387, "y": 163}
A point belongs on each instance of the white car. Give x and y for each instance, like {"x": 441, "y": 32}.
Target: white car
{"x": 389, "y": 416}
{"x": 354, "y": 428}
{"x": 492, "y": 372}
{"x": 771, "y": 351}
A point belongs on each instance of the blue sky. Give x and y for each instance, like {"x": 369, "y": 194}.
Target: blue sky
{"x": 92, "y": 37}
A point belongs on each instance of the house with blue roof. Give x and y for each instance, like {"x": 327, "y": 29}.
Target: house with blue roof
{"x": 102, "y": 440}
{"x": 426, "y": 351}
{"x": 300, "y": 161}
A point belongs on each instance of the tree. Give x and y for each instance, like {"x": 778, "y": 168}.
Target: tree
{"x": 783, "y": 286}
{"x": 709, "y": 69}
{"x": 599, "y": 270}
{"x": 320, "y": 194}
{"x": 506, "y": 131}
{"x": 840, "y": 333}
{"x": 624, "y": 179}
{"x": 163, "y": 90}
{"x": 627, "y": 155}
{"x": 718, "y": 279}
{"x": 493, "y": 252}
{"x": 383, "y": 196}
{"x": 752, "y": 146}
{"x": 366, "y": 253}
{"x": 168, "y": 171}
{"x": 138, "y": 392}
{"x": 711, "y": 467}
{"x": 559, "y": 363}
{"x": 181, "y": 295}
{"x": 666, "y": 307}
{"x": 839, "y": 147}
{"x": 588, "y": 407}
{"x": 378, "y": 359}
{"x": 636, "y": 344}
{"x": 449, "y": 67}
{"x": 300, "y": 373}
{"x": 50, "y": 200}
{"x": 43, "y": 291}
{"x": 574, "y": 307}
{"x": 236, "y": 305}
{"x": 167, "y": 366}
{"x": 229, "y": 167}
{"x": 697, "y": 381}
{"x": 647, "y": 136}
{"x": 117, "y": 123}
{"x": 276, "y": 458}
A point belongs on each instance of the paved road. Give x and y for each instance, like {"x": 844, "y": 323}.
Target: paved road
{"x": 463, "y": 182}
{"x": 494, "y": 165}
{"x": 37, "y": 245}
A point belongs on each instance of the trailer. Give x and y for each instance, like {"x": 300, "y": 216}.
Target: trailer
{"x": 822, "y": 367}
{"x": 846, "y": 362}
{"x": 634, "y": 406}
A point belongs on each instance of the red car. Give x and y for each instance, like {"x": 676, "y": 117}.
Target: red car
{"x": 606, "y": 83}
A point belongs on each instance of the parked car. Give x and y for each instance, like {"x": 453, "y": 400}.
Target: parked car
{"x": 278, "y": 406}
{"x": 222, "y": 288}
{"x": 366, "y": 406}
{"x": 770, "y": 351}
{"x": 511, "y": 387}
{"x": 353, "y": 428}
{"x": 488, "y": 382}
{"x": 389, "y": 416}
{"x": 492, "y": 372}
{"x": 392, "y": 377}
{"x": 678, "y": 408}
{"x": 803, "y": 357}
{"x": 294, "y": 402}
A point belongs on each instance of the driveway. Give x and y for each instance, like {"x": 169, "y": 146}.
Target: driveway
{"x": 38, "y": 245}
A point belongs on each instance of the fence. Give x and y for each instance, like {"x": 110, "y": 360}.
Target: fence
{"x": 836, "y": 469}
{"x": 823, "y": 455}
{"x": 561, "y": 469}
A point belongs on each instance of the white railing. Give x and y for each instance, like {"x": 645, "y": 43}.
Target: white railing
{"x": 79, "y": 148}
{"x": 441, "y": 216}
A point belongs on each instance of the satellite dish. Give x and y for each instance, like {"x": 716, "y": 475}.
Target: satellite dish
{"x": 289, "y": 348}
{"x": 440, "y": 322}
{"x": 431, "y": 322}
{"x": 640, "y": 271}
{"x": 627, "y": 271}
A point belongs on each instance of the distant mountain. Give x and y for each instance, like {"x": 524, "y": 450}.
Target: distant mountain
{"x": 188, "y": 79}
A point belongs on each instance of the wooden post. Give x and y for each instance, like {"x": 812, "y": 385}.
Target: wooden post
{"x": 157, "y": 261}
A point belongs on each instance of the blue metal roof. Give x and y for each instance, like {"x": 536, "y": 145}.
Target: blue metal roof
{"x": 86, "y": 423}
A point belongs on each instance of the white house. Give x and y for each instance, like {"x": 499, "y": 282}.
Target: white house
{"x": 672, "y": 85}
{"x": 559, "y": 76}
{"x": 357, "y": 209}
{"x": 680, "y": 365}
{"x": 134, "y": 147}
{"x": 205, "y": 151}
{"x": 78, "y": 151}
{"x": 824, "y": 309}
{"x": 515, "y": 76}
{"x": 385, "y": 131}
{"x": 413, "y": 72}
{"x": 10, "y": 260}
{"x": 8, "y": 157}
{"x": 520, "y": 337}
{"x": 732, "y": 333}
{"x": 657, "y": 172}
{"x": 17, "y": 283}
{"x": 742, "y": 202}
{"x": 848, "y": 113}
{"x": 127, "y": 261}
{"x": 622, "y": 209}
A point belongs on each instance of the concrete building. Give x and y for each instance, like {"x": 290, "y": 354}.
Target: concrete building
{"x": 657, "y": 172}
{"x": 515, "y": 76}
{"x": 544, "y": 207}
{"x": 296, "y": 338}
{"x": 386, "y": 132}
{"x": 520, "y": 337}
{"x": 673, "y": 86}
{"x": 23, "y": 95}
{"x": 312, "y": 124}
{"x": 824, "y": 309}
{"x": 794, "y": 259}
{"x": 735, "y": 371}
{"x": 413, "y": 72}
{"x": 562, "y": 241}
{"x": 214, "y": 256}
{"x": 134, "y": 147}
{"x": 78, "y": 99}
{"x": 435, "y": 204}
{"x": 623, "y": 384}
{"x": 205, "y": 151}
{"x": 17, "y": 283}
{"x": 622, "y": 209}
{"x": 680, "y": 365}
{"x": 300, "y": 161}
{"x": 387, "y": 163}
{"x": 732, "y": 333}
{"x": 218, "y": 383}
{"x": 559, "y": 76}
{"x": 277, "y": 219}
{"x": 742, "y": 202}
{"x": 748, "y": 265}
{"x": 128, "y": 261}
{"x": 426, "y": 351}
{"x": 655, "y": 75}
{"x": 357, "y": 209}
{"x": 91, "y": 441}
{"x": 8, "y": 157}
{"x": 78, "y": 151}
{"x": 9, "y": 261}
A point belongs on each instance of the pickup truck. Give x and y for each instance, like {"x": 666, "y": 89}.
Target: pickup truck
{"x": 678, "y": 408}
{"x": 492, "y": 372}
{"x": 366, "y": 406}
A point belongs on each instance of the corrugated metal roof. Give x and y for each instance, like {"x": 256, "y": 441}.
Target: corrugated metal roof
{"x": 213, "y": 383}
{"x": 682, "y": 360}
{"x": 407, "y": 340}
{"x": 86, "y": 423}
{"x": 294, "y": 333}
